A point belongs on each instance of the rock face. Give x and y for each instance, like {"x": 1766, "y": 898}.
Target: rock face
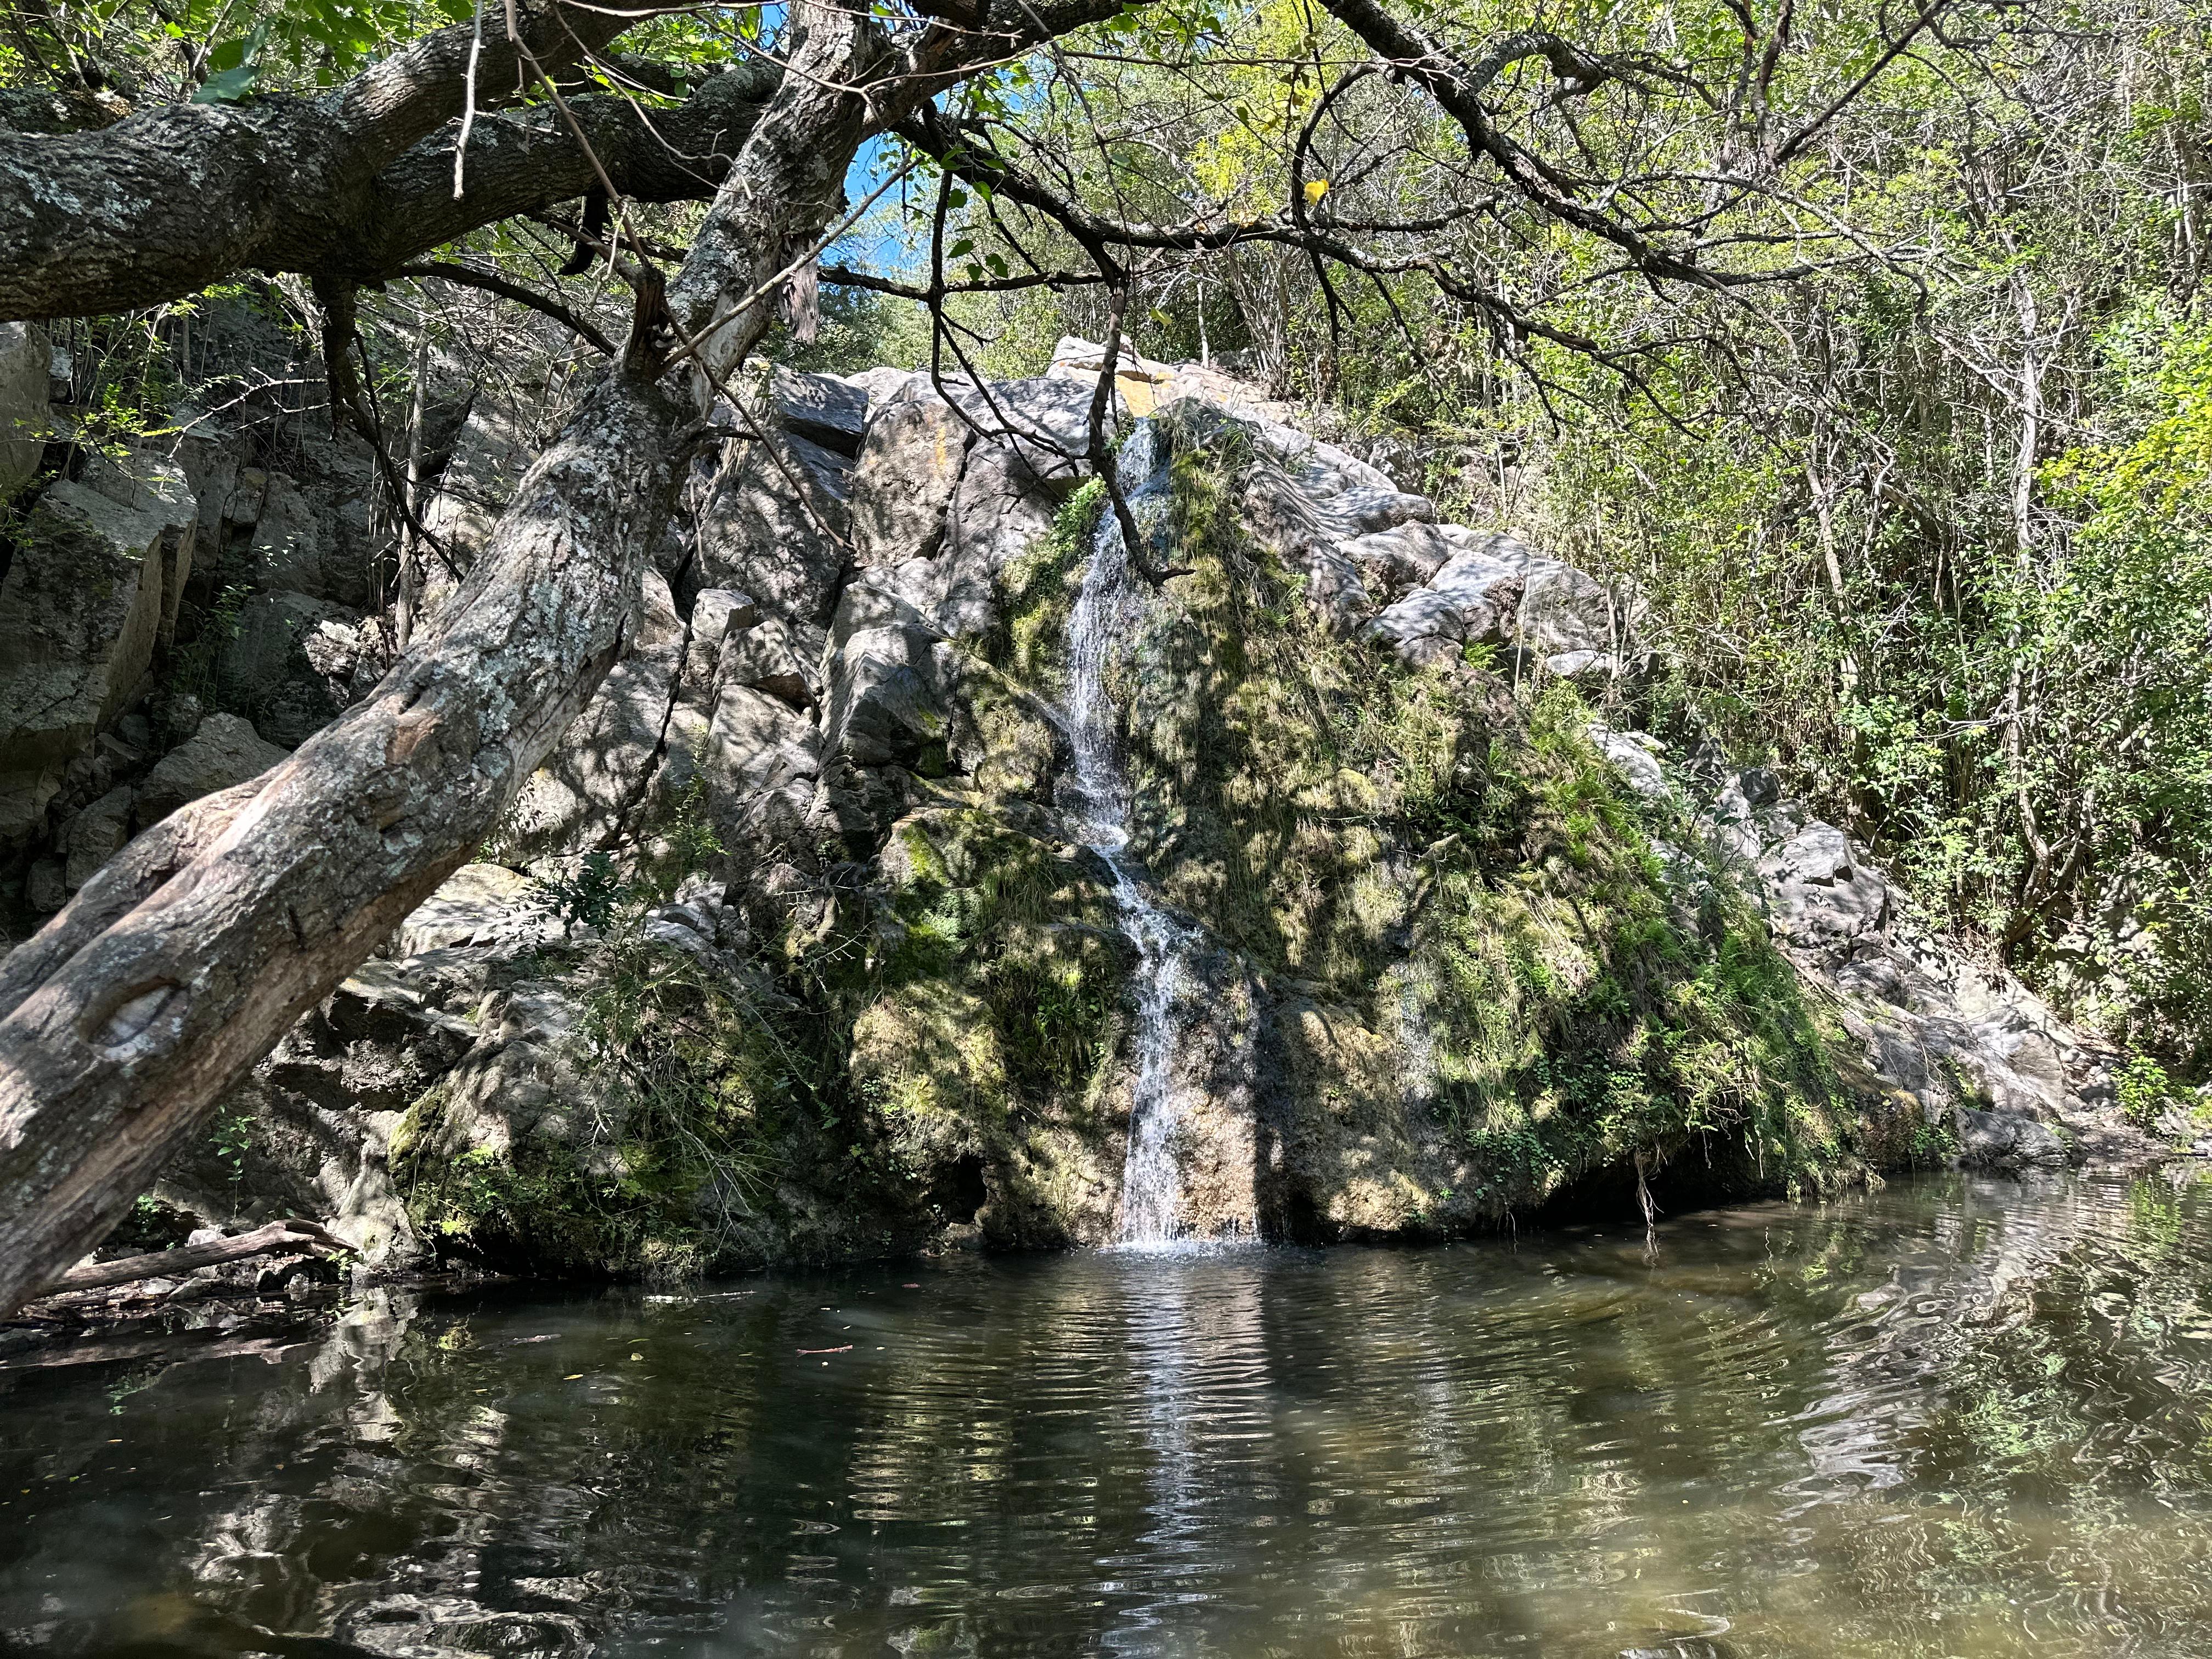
{"x": 1951, "y": 1034}
{"x": 225, "y": 751}
{"x": 799, "y": 948}
{"x": 24, "y": 356}
{"x": 96, "y": 570}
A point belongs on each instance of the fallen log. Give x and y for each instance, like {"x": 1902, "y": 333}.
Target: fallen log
{"x": 279, "y": 1238}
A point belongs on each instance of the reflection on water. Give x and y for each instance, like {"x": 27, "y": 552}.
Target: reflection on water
{"x": 1952, "y": 1418}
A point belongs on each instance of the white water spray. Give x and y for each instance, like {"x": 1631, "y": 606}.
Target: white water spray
{"x": 1106, "y": 610}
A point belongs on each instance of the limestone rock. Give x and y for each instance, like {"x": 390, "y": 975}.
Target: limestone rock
{"x": 1371, "y": 509}
{"x": 716, "y": 614}
{"x": 225, "y": 751}
{"x": 296, "y": 549}
{"x": 760, "y": 767}
{"x": 1319, "y": 469}
{"x": 820, "y": 408}
{"x": 1045, "y": 423}
{"x": 1471, "y": 600}
{"x": 478, "y": 904}
{"x": 264, "y": 664}
{"x": 496, "y": 445}
{"x": 756, "y": 532}
{"x": 1639, "y": 763}
{"x": 883, "y": 386}
{"x": 904, "y": 479}
{"x": 1822, "y": 901}
{"x": 349, "y": 657}
{"x": 94, "y": 836}
{"x": 324, "y": 1106}
{"x": 884, "y": 694}
{"x": 2008, "y": 1141}
{"x": 25, "y": 354}
{"x": 80, "y": 608}
{"x": 212, "y": 462}
{"x": 45, "y": 888}
{"x": 602, "y": 769}
{"x": 152, "y": 483}
{"x": 1138, "y": 381}
{"x": 1971, "y": 1045}
{"x": 1404, "y": 556}
{"x": 779, "y": 657}
{"x": 1562, "y": 610}
{"x": 999, "y": 509}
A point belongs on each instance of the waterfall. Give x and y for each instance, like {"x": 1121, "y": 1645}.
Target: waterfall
{"x": 1106, "y": 611}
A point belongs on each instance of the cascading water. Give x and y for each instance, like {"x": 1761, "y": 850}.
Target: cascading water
{"x": 1105, "y": 611}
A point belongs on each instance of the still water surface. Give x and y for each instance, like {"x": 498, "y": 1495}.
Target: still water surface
{"x": 1951, "y": 1418}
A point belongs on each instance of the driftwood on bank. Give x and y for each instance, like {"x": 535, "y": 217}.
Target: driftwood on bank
{"x": 277, "y": 1238}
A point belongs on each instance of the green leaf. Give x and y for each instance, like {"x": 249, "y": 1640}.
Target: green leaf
{"x": 963, "y": 247}
{"x": 235, "y": 62}
{"x": 231, "y": 53}
{"x": 230, "y": 85}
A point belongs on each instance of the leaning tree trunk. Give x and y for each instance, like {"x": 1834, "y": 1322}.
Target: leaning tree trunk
{"x": 181, "y": 964}
{"x": 176, "y": 968}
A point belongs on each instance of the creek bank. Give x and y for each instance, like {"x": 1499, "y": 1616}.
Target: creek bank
{"x": 805, "y": 947}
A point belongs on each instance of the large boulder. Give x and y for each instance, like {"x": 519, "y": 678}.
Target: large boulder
{"x": 215, "y": 464}
{"x": 496, "y": 445}
{"x": 1472, "y": 600}
{"x": 783, "y": 659}
{"x": 26, "y": 353}
{"x": 904, "y": 480}
{"x": 266, "y": 664}
{"x": 1566, "y": 611}
{"x": 152, "y": 483}
{"x": 771, "y": 520}
{"x": 315, "y": 1120}
{"x": 1821, "y": 898}
{"x": 760, "y": 763}
{"x": 997, "y": 512}
{"x": 1137, "y": 381}
{"x": 885, "y": 703}
{"x": 822, "y": 408}
{"x": 224, "y": 751}
{"x": 80, "y": 610}
{"x": 95, "y": 834}
{"x": 1405, "y": 556}
{"x": 478, "y": 904}
{"x": 1046, "y": 423}
{"x": 297, "y": 547}
{"x": 598, "y": 778}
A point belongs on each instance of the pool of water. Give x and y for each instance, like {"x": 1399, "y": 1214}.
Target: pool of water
{"x": 1951, "y": 1418}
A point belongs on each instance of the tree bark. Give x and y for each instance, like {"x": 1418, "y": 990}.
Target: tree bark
{"x": 162, "y": 204}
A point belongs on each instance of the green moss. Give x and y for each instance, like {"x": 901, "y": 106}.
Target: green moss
{"x": 692, "y": 1092}
{"x": 1021, "y": 933}
{"x": 1037, "y": 592}
{"x": 1464, "y": 873}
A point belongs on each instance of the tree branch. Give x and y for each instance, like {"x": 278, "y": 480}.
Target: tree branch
{"x": 469, "y": 276}
{"x": 277, "y": 1238}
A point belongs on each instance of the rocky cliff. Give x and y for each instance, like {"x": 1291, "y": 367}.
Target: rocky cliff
{"x": 918, "y": 877}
